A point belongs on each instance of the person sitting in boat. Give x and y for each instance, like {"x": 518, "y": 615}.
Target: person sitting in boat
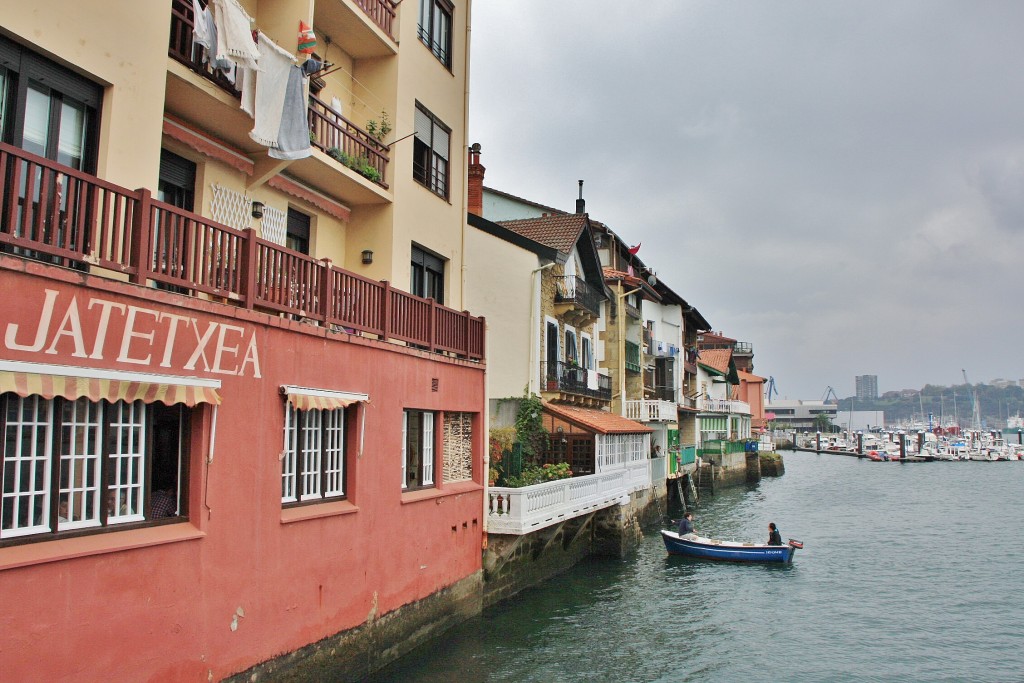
{"x": 686, "y": 525}
{"x": 774, "y": 537}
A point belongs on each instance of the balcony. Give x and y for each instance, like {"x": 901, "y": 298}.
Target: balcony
{"x": 521, "y": 511}
{"x": 651, "y": 411}
{"x": 94, "y": 225}
{"x": 212, "y": 103}
{"x": 718, "y": 405}
{"x": 632, "y": 357}
{"x": 576, "y": 301}
{"x": 572, "y": 381}
{"x": 362, "y": 28}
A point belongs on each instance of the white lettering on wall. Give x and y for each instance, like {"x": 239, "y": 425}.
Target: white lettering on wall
{"x": 140, "y": 333}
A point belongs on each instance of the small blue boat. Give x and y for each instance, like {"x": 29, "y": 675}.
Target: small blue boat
{"x": 730, "y": 551}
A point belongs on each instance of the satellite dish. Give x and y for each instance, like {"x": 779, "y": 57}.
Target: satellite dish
{"x": 652, "y": 280}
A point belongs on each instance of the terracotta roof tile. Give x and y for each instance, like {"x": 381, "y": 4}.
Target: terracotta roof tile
{"x": 599, "y": 421}
{"x": 559, "y": 232}
{"x": 717, "y": 359}
{"x": 749, "y": 376}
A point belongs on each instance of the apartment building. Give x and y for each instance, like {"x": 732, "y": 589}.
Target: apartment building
{"x": 236, "y": 366}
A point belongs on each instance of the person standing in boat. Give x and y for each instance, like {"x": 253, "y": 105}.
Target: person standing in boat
{"x": 686, "y": 525}
{"x": 774, "y": 537}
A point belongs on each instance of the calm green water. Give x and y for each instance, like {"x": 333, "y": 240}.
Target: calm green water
{"x": 909, "y": 573}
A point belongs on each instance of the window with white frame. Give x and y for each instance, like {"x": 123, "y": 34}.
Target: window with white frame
{"x": 313, "y": 466}
{"x": 571, "y": 353}
{"x": 417, "y": 449}
{"x": 586, "y": 352}
{"x": 619, "y": 449}
{"x": 73, "y": 466}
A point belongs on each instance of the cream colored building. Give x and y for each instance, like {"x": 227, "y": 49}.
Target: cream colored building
{"x": 141, "y": 109}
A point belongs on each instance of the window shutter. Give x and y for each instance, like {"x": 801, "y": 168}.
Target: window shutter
{"x": 428, "y": 448}
{"x": 423, "y": 125}
{"x": 441, "y": 142}
{"x": 405, "y": 432}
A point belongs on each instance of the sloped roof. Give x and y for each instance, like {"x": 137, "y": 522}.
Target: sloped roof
{"x": 750, "y": 377}
{"x": 560, "y": 232}
{"x": 596, "y": 420}
{"x": 716, "y": 359}
{"x": 716, "y": 338}
{"x": 545, "y": 209}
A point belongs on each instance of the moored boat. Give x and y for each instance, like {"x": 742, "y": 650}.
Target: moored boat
{"x": 731, "y": 551}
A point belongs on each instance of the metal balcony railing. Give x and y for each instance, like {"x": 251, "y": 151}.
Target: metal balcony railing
{"x": 572, "y": 379}
{"x": 575, "y": 290}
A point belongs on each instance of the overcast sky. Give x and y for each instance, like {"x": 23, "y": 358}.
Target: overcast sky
{"x": 840, "y": 184}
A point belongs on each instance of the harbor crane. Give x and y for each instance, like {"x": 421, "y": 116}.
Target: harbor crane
{"x": 770, "y": 389}
{"x": 829, "y": 391}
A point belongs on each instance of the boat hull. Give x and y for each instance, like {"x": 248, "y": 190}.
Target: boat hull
{"x": 696, "y": 546}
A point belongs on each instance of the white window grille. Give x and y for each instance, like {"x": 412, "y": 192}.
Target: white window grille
{"x": 128, "y": 439}
{"x": 428, "y": 449}
{"x": 274, "y": 225}
{"x": 313, "y": 461}
{"x": 231, "y": 208}
{"x": 80, "y": 466}
{"x": 27, "y": 438}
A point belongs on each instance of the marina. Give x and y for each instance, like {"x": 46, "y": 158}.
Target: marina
{"x": 868, "y": 599}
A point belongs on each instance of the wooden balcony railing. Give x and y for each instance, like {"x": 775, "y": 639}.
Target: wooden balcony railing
{"x": 572, "y": 379}
{"x": 356, "y": 148}
{"x": 49, "y": 211}
{"x": 183, "y": 49}
{"x": 574, "y": 290}
{"x": 382, "y": 12}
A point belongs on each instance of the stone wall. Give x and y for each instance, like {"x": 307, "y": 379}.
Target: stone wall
{"x": 515, "y": 563}
{"x": 354, "y": 654}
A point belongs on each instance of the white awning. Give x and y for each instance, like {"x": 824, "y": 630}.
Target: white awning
{"x": 306, "y": 398}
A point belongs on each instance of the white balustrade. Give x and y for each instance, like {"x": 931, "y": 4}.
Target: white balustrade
{"x": 523, "y": 510}
{"x": 721, "y": 405}
{"x": 651, "y": 411}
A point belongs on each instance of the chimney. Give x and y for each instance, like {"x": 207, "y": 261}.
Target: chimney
{"x": 581, "y": 206}
{"x": 475, "y": 204}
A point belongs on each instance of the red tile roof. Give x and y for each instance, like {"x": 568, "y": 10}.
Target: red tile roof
{"x": 559, "y": 232}
{"x": 749, "y": 377}
{"x": 598, "y": 421}
{"x": 717, "y": 359}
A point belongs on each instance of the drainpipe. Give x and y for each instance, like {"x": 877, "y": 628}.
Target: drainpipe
{"x": 533, "y": 382}
{"x": 621, "y": 325}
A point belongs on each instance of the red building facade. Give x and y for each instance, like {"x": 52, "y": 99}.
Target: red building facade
{"x": 317, "y": 480}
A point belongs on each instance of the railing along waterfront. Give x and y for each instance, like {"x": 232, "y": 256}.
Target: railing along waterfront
{"x": 49, "y": 211}
{"x": 523, "y": 510}
{"x": 572, "y": 379}
{"x": 651, "y": 411}
{"x": 718, "y": 405}
{"x": 575, "y": 290}
{"x": 330, "y": 130}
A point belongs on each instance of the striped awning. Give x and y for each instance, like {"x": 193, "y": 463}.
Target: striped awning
{"x": 306, "y": 398}
{"x": 29, "y": 379}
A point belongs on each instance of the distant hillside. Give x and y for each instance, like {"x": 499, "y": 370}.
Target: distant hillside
{"x": 994, "y": 404}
